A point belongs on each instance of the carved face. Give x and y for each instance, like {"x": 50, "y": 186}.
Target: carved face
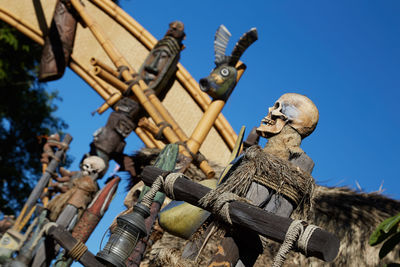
{"x": 92, "y": 165}
{"x": 220, "y": 82}
{"x": 293, "y": 109}
{"x": 155, "y": 63}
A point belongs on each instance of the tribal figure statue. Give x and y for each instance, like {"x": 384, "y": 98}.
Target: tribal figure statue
{"x": 161, "y": 63}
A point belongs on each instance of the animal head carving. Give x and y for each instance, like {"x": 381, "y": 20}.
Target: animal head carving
{"x": 220, "y": 83}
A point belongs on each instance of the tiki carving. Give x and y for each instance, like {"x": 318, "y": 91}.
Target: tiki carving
{"x": 109, "y": 140}
{"x": 58, "y": 44}
{"x": 220, "y": 83}
{"x": 160, "y": 64}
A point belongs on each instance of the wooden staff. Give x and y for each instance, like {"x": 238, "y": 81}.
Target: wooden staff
{"x": 321, "y": 244}
{"x": 183, "y": 75}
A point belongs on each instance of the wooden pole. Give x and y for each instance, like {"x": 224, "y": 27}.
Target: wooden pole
{"x": 42, "y": 183}
{"x": 321, "y": 244}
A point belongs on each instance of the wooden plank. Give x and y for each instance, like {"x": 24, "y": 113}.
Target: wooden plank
{"x": 322, "y": 244}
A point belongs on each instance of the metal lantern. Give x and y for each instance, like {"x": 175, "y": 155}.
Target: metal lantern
{"x": 130, "y": 228}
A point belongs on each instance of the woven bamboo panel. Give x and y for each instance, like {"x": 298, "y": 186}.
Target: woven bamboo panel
{"x": 33, "y": 16}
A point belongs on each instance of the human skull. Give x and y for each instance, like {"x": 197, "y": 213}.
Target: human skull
{"x": 293, "y": 109}
{"x": 92, "y": 165}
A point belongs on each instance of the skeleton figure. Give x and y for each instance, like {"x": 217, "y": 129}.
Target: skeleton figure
{"x": 92, "y": 166}
{"x": 292, "y": 118}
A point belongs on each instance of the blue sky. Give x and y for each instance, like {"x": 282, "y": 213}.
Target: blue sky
{"x": 344, "y": 55}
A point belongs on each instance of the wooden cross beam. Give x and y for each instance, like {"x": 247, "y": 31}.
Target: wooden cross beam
{"x": 321, "y": 244}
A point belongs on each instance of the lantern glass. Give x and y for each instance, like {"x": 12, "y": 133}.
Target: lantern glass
{"x": 122, "y": 242}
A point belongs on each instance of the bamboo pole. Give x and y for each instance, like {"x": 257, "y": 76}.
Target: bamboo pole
{"x": 105, "y": 43}
{"x": 183, "y": 75}
{"x": 148, "y": 142}
{"x": 146, "y": 124}
{"x": 96, "y": 62}
{"x": 144, "y": 137}
{"x": 165, "y": 113}
{"x": 22, "y": 27}
{"x": 159, "y": 144}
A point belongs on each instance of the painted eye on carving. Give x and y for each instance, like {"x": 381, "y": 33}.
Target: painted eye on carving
{"x": 224, "y": 72}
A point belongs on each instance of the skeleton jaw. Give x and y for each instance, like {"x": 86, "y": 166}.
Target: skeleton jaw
{"x": 270, "y": 127}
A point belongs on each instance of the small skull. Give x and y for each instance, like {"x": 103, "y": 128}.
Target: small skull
{"x": 92, "y": 165}
{"x": 293, "y": 109}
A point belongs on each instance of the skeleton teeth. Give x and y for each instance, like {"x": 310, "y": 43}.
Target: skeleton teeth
{"x": 268, "y": 121}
